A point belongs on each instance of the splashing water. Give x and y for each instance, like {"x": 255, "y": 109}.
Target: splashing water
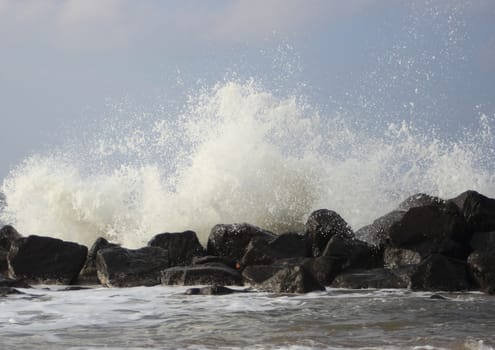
{"x": 238, "y": 153}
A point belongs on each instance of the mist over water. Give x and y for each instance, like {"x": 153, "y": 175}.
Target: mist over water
{"x": 237, "y": 153}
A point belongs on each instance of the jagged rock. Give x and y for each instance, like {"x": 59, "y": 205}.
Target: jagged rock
{"x": 201, "y": 275}
{"x": 290, "y": 279}
{"x": 396, "y": 257}
{"x": 88, "y": 274}
{"x": 322, "y": 225}
{"x": 478, "y": 210}
{"x": 262, "y": 252}
{"x": 353, "y": 253}
{"x": 46, "y": 260}
{"x": 120, "y": 267}
{"x": 12, "y": 283}
{"x": 211, "y": 260}
{"x": 182, "y": 246}
{"x": 379, "y": 278}
{"x": 8, "y": 234}
{"x": 231, "y": 240}
{"x": 211, "y": 290}
{"x": 378, "y": 232}
{"x": 482, "y": 267}
{"x": 419, "y": 200}
{"x": 438, "y": 272}
{"x": 482, "y": 240}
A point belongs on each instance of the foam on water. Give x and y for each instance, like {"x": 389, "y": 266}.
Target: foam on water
{"x": 237, "y": 153}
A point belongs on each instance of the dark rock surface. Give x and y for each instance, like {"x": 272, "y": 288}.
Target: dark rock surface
{"x": 478, "y": 210}
{"x": 482, "y": 268}
{"x": 321, "y": 226}
{"x": 353, "y": 253}
{"x": 88, "y": 274}
{"x": 4, "y": 291}
{"x": 211, "y": 290}
{"x": 374, "y": 278}
{"x": 182, "y": 246}
{"x": 46, "y": 260}
{"x": 210, "y": 260}
{"x": 290, "y": 279}
{"x": 120, "y": 267}
{"x": 420, "y": 200}
{"x": 397, "y": 257}
{"x": 201, "y": 275}
{"x": 438, "y": 272}
{"x": 231, "y": 240}
{"x": 378, "y": 232}
{"x": 12, "y": 283}
{"x": 8, "y": 234}
{"x": 482, "y": 240}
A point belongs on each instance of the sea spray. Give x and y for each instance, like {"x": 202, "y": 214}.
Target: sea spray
{"x": 236, "y": 153}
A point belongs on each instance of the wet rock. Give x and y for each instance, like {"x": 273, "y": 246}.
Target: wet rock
{"x": 289, "y": 245}
{"x": 8, "y": 234}
{"x": 438, "y": 272}
{"x": 420, "y": 200}
{"x": 211, "y": 260}
{"x": 438, "y": 297}
{"x": 290, "y": 279}
{"x": 353, "y": 253}
{"x": 482, "y": 240}
{"x": 4, "y": 291}
{"x": 12, "y": 283}
{"x": 88, "y": 274}
{"x": 375, "y": 278}
{"x": 378, "y": 232}
{"x": 478, "y": 210}
{"x": 397, "y": 257}
{"x": 120, "y": 267}
{"x": 211, "y": 290}
{"x": 182, "y": 246}
{"x": 231, "y": 240}
{"x": 39, "y": 259}
{"x": 201, "y": 275}
{"x": 321, "y": 226}
{"x": 482, "y": 268}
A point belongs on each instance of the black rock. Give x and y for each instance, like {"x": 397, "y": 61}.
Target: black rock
{"x": 201, "y": 275}
{"x": 46, "y": 260}
{"x": 4, "y": 291}
{"x": 482, "y": 268}
{"x": 290, "y": 279}
{"x": 231, "y": 240}
{"x": 211, "y": 260}
{"x": 182, "y": 246}
{"x": 375, "y": 278}
{"x": 483, "y": 240}
{"x": 8, "y": 234}
{"x": 210, "y": 290}
{"x": 120, "y": 267}
{"x": 322, "y": 225}
{"x": 353, "y": 253}
{"x": 289, "y": 245}
{"x": 12, "y": 283}
{"x": 478, "y": 210}
{"x": 378, "y": 232}
{"x": 88, "y": 274}
{"x": 438, "y": 272}
{"x": 397, "y": 257}
{"x": 420, "y": 200}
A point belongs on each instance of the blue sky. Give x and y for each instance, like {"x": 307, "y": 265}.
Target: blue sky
{"x": 63, "y": 62}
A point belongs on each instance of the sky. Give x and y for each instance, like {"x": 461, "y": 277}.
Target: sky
{"x": 65, "y": 63}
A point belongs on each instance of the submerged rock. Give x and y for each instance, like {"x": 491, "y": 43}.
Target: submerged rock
{"x": 88, "y": 274}
{"x": 182, "y": 246}
{"x": 321, "y": 226}
{"x": 211, "y": 290}
{"x": 201, "y": 275}
{"x": 120, "y": 267}
{"x": 46, "y": 260}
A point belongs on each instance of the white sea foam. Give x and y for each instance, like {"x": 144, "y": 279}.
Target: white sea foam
{"x": 238, "y": 153}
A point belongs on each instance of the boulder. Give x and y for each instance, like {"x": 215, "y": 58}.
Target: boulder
{"x": 397, "y": 257}
{"x": 482, "y": 240}
{"x": 211, "y": 290}
{"x": 379, "y": 278}
{"x": 182, "y": 246}
{"x": 120, "y": 267}
{"x": 210, "y": 260}
{"x": 6, "y": 282}
{"x": 322, "y": 225}
{"x": 231, "y": 240}
{"x": 481, "y": 265}
{"x": 201, "y": 275}
{"x": 46, "y": 260}
{"x": 419, "y": 200}
{"x": 88, "y": 274}
{"x": 377, "y": 233}
{"x": 4, "y": 291}
{"x": 353, "y": 253}
{"x": 439, "y": 272}
{"x": 8, "y": 234}
{"x": 478, "y": 210}
{"x": 290, "y": 279}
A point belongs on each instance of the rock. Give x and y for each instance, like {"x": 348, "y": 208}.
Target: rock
{"x": 210, "y": 260}
{"x": 4, "y": 291}
{"x": 262, "y": 252}
{"x": 46, "y": 260}
{"x": 6, "y": 282}
{"x": 322, "y": 225}
{"x": 397, "y": 257}
{"x": 8, "y": 234}
{"x": 201, "y": 275}
{"x": 353, "y": 253}
{"x": 211, "y": 290}
{"x": 379, "y": 278}
{"x": 438, "y": 272}
{"x": 291, "y": 279}
{"x": 120, "y": 267}
{"x": 438, "y": 297}
{"x": 231, "y": 240}
{"x": 4, "y": 264}
{"x": 88, "y": 274}
{"x": 420, "y": 200}
{"x": 182, "y": 246}
{"x": 482, "y": 268}
{"x": 478, "y": 210}
{"x": 378, "y": 232}
{"x": 482, "y": 240}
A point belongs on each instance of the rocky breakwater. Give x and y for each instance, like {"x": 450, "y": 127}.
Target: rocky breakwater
{"x": 426, "y": 244}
